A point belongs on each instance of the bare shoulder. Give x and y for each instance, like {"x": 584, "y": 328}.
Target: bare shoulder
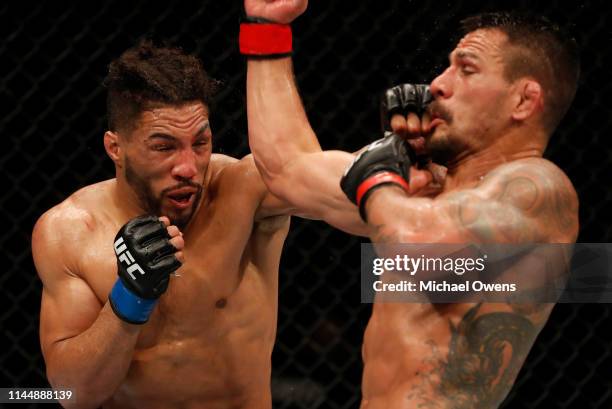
{"x": 240, "y": 179}
{"x": 536, "y": 186}
{"x": 527, "y": 200}
{"x": 238, "y": 173}
{"x": 224, "y": 162}
{"x": 219, "y": 161}
{"x": 72, "y": 221}
{"x": 539, "y": 171}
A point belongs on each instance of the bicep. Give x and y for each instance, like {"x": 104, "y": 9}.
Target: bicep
{"x": 310, "y": 187}
{"x": 68, "y": 308}
{"x": 69, "y": 305}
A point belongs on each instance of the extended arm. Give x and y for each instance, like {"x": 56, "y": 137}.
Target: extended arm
{"x": 287, "y": 152}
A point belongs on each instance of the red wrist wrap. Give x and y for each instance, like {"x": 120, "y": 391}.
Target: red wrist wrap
{"x": 265, "y": 39}
{"x": 379, "y": 179}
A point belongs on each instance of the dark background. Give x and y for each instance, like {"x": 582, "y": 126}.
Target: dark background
{"x": 52, "y": 62}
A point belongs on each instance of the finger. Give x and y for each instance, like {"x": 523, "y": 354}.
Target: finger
{"x": 417, "y": 145}
{"x": 414, "y": 125}
{"x": 399, "y": 125}
{"x": 426, "y": 123}
{"x": 419, "y": 179}
{"x": 180, "y": 256}
{"x": 178, "y": 242}
{"x": 165, "y": 220}
{"x": 173, "y": 231}
{"x": 438, "y": 172}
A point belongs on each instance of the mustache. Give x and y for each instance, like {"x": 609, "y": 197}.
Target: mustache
{"x": 186, "y": 183}
{"x": 436, "y": 109}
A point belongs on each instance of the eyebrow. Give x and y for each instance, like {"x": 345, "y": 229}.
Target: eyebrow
{"x": 160, "y": 135}
{"x": 170, "y": 138}
{"x": 464, "y": 54}
{"x": 203, "y": 129}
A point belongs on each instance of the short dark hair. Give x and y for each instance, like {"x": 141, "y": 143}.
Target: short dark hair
{"x": 539, "y": 49}
{"x": 146, "y": 76}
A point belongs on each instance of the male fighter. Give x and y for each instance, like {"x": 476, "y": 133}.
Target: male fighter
{"x": 509, "y": 82}
{"x": 200, "y": 339}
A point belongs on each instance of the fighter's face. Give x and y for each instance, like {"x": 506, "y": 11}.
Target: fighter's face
{"x": 166, "y": 158}
{"x": 472, "y": 97}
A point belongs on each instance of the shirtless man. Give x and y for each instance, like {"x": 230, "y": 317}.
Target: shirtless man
{"x": 508, "y": 84}
{"x": 208, "y": 341}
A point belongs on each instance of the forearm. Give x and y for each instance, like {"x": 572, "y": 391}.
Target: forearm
{"x": 279, "y": 131}
{"x": 94, "y": 363}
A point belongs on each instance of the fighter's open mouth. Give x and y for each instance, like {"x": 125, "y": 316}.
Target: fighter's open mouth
{"x": 181, "y": 198}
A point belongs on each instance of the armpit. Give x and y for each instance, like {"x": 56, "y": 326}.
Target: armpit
{"x": 272, "y": 224}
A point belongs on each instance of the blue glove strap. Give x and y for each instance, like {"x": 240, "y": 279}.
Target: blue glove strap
{"x": 128, "y": 306}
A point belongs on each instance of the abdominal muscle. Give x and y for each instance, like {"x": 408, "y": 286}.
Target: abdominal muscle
{"x": 213, "y": 359}
{"x": 402, "y": 352}
{"x": 186, "y": 375}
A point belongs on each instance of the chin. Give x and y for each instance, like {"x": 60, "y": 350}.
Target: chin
{"x": 179, "y": 219}
{"x": 440, "y": 148}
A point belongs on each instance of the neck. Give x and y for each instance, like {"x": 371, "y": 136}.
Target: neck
{"x": 125, "y": 199}
{"x": 470, "y": 167}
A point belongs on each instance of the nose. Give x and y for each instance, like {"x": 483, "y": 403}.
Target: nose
{"x": 440, "y": 87}
{"x": 185, "y": 166}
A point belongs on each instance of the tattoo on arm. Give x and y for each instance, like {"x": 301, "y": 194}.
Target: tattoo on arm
{"x": 519, "y": 203}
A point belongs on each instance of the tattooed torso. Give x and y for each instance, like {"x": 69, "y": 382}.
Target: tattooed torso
{"x": 467, "y": 356}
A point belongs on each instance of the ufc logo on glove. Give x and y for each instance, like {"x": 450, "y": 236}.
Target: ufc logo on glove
{"x": 124, "y": 256}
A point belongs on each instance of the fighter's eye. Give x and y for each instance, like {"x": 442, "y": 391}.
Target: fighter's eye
{"x": 200, "y": 143}
{"x": 467, "y": 69}
{"x": 162, "y": 148}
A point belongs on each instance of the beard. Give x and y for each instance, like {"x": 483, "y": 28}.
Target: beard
{"x": 441, "y": 145}
{"x": 441, "y": 149}
{"x": 152, "y": 204}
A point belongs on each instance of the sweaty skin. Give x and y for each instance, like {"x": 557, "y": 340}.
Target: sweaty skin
{"x": 209, "y": 341}
{"x": 463, "y": 355}
{"x": 497, "y": 189}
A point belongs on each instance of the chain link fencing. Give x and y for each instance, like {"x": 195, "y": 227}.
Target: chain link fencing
{"x": 52, "y": 61}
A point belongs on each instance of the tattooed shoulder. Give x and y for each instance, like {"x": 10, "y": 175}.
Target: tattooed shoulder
{"x": 522, "y": 201}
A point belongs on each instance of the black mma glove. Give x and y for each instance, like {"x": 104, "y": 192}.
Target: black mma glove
{"x": 402, "y": 99}
{"x": 145, "y": 260}
{"x": 385, "y": 161}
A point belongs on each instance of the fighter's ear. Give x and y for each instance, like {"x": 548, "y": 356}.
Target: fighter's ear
{"x": 113, "y": 147}
{"x": 529, "y": 101}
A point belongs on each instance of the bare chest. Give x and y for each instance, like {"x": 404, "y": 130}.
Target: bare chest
{"x": 219, "y": 287}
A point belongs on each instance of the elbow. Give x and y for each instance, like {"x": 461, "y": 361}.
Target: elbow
{"x": 404, "y": 235}
{"x": 270, "y": 152}
{"x": 83, "y": 392}
{"x": 391, "y": 233}
{"x": 276, "y": 178}
{"x": 400, "y": 232}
